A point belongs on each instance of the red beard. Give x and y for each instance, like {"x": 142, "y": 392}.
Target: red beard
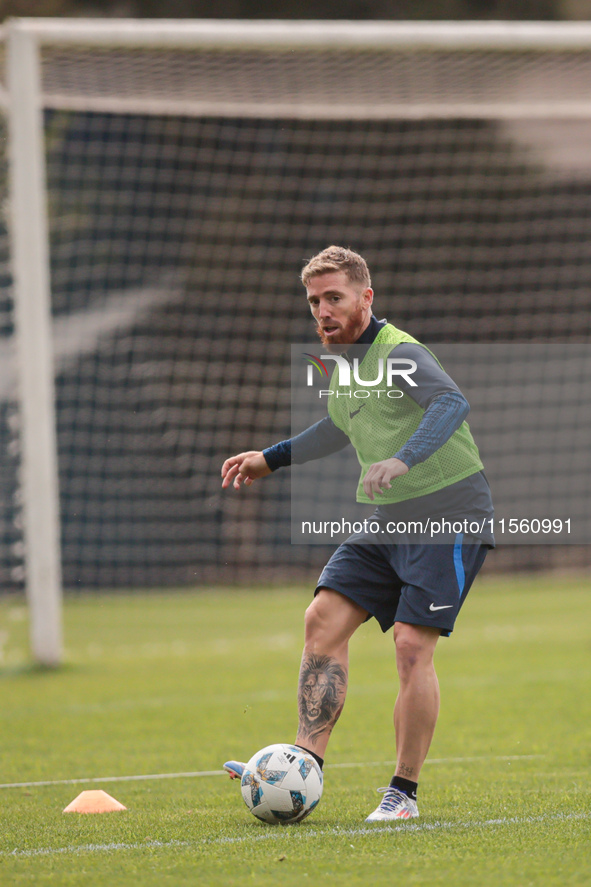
{"x": 348, "y": 334}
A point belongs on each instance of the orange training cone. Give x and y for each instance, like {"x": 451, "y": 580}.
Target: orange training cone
{"x": 96, "y": 801}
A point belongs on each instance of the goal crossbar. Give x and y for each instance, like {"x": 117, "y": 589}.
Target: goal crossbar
{"x": 401, "y": 88}
{"x": 331, "y": 35}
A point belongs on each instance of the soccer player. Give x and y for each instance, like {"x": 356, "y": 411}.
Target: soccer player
{"x": 418, "y": 458}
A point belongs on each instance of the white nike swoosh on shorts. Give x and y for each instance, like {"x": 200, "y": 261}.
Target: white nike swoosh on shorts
{"x": 444, "y": 607}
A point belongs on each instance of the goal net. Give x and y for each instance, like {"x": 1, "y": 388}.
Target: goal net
{"x": 192, "y": 167}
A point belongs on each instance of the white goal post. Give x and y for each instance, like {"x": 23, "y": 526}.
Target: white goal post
{"x": 418, "y": 94}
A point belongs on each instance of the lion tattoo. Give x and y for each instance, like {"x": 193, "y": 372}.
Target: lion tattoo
{"x": 321, "y": 693}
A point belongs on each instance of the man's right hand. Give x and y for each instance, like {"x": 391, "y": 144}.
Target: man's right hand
{"x": 244, "y": 468}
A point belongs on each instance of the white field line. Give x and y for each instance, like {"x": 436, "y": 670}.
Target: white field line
{"x": 284, "y": 834}
{"x": 196, "y": 773}
{"x": 467, "y": 760}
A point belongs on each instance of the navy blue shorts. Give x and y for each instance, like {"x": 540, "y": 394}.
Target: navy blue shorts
{"x": 407, "y": 582}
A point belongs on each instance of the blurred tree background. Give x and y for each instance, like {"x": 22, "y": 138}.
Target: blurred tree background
{"x": 305, "y": 9}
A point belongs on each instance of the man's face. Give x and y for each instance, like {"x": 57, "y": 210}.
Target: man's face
{"x": 341, "y": 309}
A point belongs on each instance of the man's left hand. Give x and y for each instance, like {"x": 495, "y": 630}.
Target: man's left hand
{"x": 380, "y": 475}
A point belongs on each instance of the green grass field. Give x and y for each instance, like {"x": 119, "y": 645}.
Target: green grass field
{"x": 177, "y": 683}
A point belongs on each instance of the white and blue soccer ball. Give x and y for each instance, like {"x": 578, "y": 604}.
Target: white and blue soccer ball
{"x": 281, "y": 784}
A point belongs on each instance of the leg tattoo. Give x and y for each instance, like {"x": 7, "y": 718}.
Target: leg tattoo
{"x": 321, "y": 694}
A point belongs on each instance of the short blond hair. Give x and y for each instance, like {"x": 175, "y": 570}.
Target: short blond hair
{"x": 338, "y": 258}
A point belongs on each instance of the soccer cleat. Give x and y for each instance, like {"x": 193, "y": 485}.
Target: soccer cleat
{"x": 395, "y": 805}
{"x": 235, "y": 769}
